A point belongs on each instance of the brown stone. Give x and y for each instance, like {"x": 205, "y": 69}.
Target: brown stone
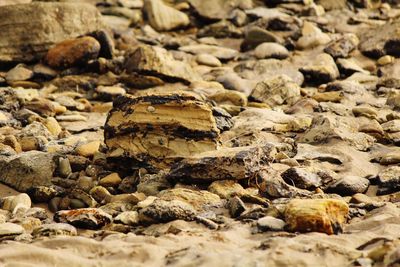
{"x": 316, "y": 215}
{"x": 73, "y": 52}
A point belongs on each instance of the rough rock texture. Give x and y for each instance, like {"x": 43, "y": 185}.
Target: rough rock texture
{"x": 151, "y": 60}
{"x": 318, "y": 215}
{"x": 33, "y": 168}
{"x": 383, "y": 40}
{"x": 28, "y": 30}
{"x": 85, "y": 218}
{"x": 224, "y": 164}
{"x": 163, "y": 17}
{"x": 219, "y": 9}
{"x": 161, "y": 126}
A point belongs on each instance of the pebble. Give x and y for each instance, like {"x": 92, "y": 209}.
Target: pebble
{"x": 269, "y": 223}
{"x": 88, "y": 149}
{"x": 271, "y": 50}
{"x": 208, "y": 60}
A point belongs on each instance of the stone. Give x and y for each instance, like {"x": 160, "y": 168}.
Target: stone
{"x": 164, "y": 18}
{"x": 130, "y": 218}
{"x": 64, "y": 167}
{"x": 332, "y": 4}
{"x": 276, "y": 91}
{"x": 216, "y": 10}
{"x": 226, "y": 188}
{"x": 349, "y": 185}
{"x": 224, "y": 28}
{"x": 172, "y": 134}
{"x": 73, "y": 52}
{"x": 33, "y": 168}
{"x": 19, "y": 73}
{"x": 9, "y": 231}
{"x": 222, "y": 53}
{"x": 88, "y": 218}
{"x": 208, "y": 60}
{"x": 197, "y": 199}
{"x": 391, "y": 126}
{"x": 269, "y": 223}
{"x": 53, "y": 126}
{"x": 381, "y": 41}
{"x": 312, "y": 36}
{"x": 335, "y": 96}
{"x": 390, "y": 178}
{"x": 152, "y": 184}
{"x": 88, "y": 149}
{"x": 236, "y": 207}
{"x": 316, "y": 215}
{"x": 271, "y": 50}
{"x": 342, "y": 47}
{"x": 255, "y": 36}
{"x": 385, "y": 60}
{"x": 306, "y": 179}
{"x": 224, "y": 164}
{"x": 162, "y": 211}
{"x": 110, "y": 180}
{"x": 158, "y": 62}
{"x": 29, "y": 30}
{"x": 322, "y": 70}
{"x": 13, "y": 203}
{"x": 54, "y": 229}
{"x": 43, "y": 194}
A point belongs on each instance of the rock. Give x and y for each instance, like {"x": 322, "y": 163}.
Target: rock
{"x": 222, "y": 53}
{"x": 42, "y": 194}
{"x": 224, "y": 28}
{"x": 312, "y": 36}
{"x": 31, "y": 29}
{"x": 305, "y": 179}
{"x": 226, "y": 188}
{"x": 88, "y": 218}
{"x": 385, "y": 60}
{"x": 13, "y": 203}
{"x": 161, "y": 211}
{"x": 208, "y": 60}
{"x": 54, "y": 229}
{"x": 159, "y": 62}
{"x": 72, "y": 53}
{"x": 255, "y": 36}
{"x": 391, "y": 126}
{"x": 111, "y": 180}
{"x": 349, "y": 185}
{"x": 335, "y": 97}
{"x": 9, "y": 231}
{"x": 64, "y": 167}
{"x": 216, "y": 10}
{"x": 53, "y": 126}
{"x": 276, "y": 91}
{"x": 130, "y": 218}
{"x": 33, "y": 168}
{"x": 224, "y": 164}
{"x": 172, "y": 134}
{"x": 332, "y": 4}
{"x": 164, "y": 18}
{"x": 197, "y": 199}
{"x": 342, "y": 47}
{"x": 381, "y": 41}
{"x": 390, "y": 178}
{"x": 316, "y": 215}
{"x": 19, "y": 73}
{"x": 269, "y": 223}
{"x": 322, "y": 70}
{"x": 88, "y": 149}
{"x": 236, "y": 207}
{"x": 271, "y": 50}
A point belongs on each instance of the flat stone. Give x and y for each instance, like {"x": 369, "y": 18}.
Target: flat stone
{"x": 161, "y": 211}
{"x": 164, "y": 18}
{"x": 216, "y": 51}
{"x": 128, "y": 217}
{"x": 19, "y": 73}
{"x": 197, "y": 199}
{"x": 316, "y": 215}
{"x": 54, "y": 229}
{"x": 33, "y": 168}
{"x": 9, "y": 231}
{"x": 29, "y": 30}
{"x": 255, "y": 36}
{"x": 159, "y": 62}
{"x": 224, "y": 164}
{"x": 208, "y": 60}
{"x": 322, "y": 70}
{"x": 269, "y": 223}
{"x": 349, "y": 185}
{"x": 271, "y": 50}
{"x": 219, "y": 9}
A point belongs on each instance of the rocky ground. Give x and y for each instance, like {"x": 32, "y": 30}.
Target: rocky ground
{"x": 200, "y": 133}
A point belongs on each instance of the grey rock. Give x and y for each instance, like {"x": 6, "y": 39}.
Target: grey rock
{"x": 255, "y": 36}
{"x": 349, "y": 185}
{"x": 19, "y": 73}
{"x": 128, "y": 217}
{"x": 161, "y": 211}
{"x": 216, "y": 51}
{"x": 271, "y": 50}
{"x": 29, "y": 30}
{"x": 236, "y": 207}
{"x": 28, "y": 169}
{"x": 302, "y": 178}
{"x": 269, "y": 223}
{"x": 342, "y": 47}
{"x": 218, "y": 9}
{"x": 322, "y": 70}
{"x": 9, "y": 231}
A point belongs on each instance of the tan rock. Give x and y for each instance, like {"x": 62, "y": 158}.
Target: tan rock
{"x": 197, "y": 199}
{"x": 53, "y": 126}
{"x": 226, "y": 188}
{"x": 88, "y": 149}
{"x": 316, "y": 215}
{"x": 112, "y": 179}
{"x": 160, "y": 126}
{"x": 74, "y": 52}
{"x": 164, "y": 18}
